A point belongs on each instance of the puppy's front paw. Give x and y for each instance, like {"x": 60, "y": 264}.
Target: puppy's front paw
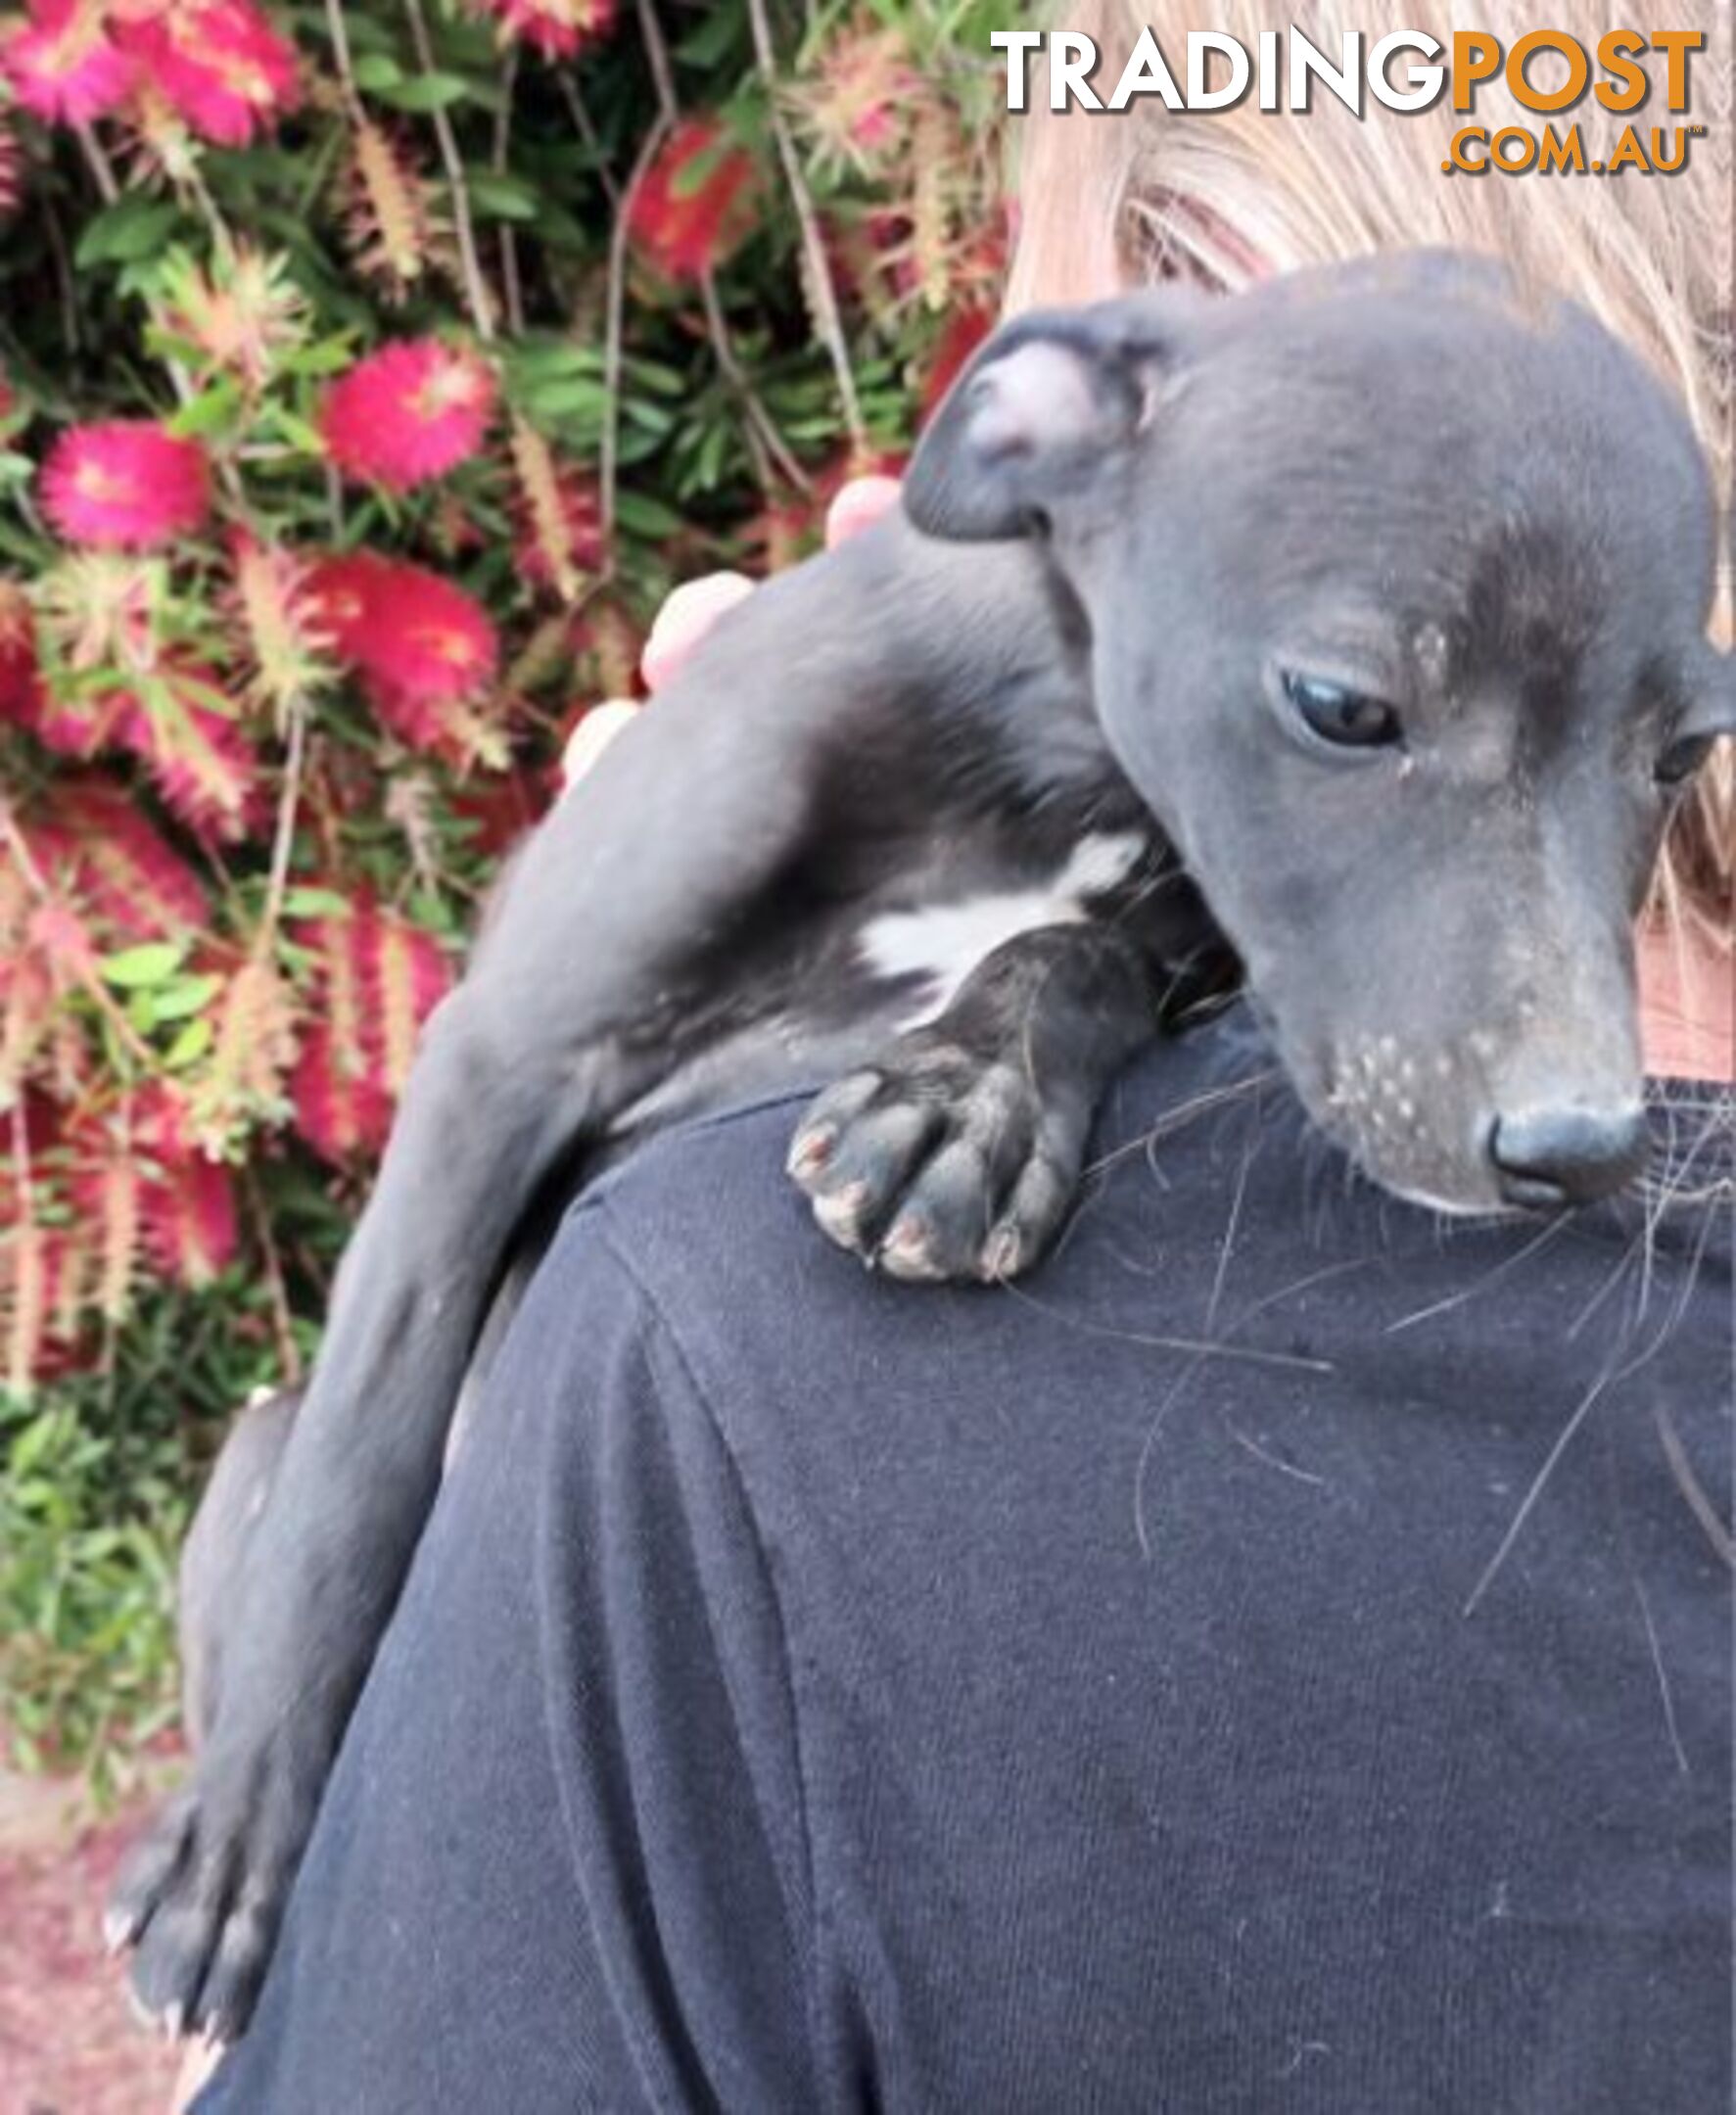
{"x": 200, "y": 1895}
{"x": 940, "y": 1163}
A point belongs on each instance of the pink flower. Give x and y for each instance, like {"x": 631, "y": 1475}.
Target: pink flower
{"x": 419, "y": 643}
{"x": 124, "y": 485}
{"x": 62, "y": 66}
{"x": 218, "y": 64}
{"x": 409, "y": 412}
{"x": 556, "y": 28}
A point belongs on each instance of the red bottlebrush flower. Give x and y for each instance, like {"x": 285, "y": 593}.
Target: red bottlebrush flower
{"x": 420, "y": 644}
{"x": 124, "y": 485}
{"x": 409, "y": 412}
{"x": 284, "y": 651}
{"x": 189, "y": 1221}
{"x": 95, "y": 842}
{"x": 12, "y": 185}
{"x": 559, "y": 518}
{"x": 555, "y": 28}
{"x": 694, "y": 205}
{"x": 859, "y": 103}
{"x": 62, "y": 63}
{"x": 218, "y": 64}
{"x": 500, "y": 807}
{"x": 78, "y": 724}
{"x": 24, "y": 698}
{"x": 377, "y": 980}
{"x": 202, "y": 765}
{"x": 340, "y": 1109}
{"x": 390, "y": 222}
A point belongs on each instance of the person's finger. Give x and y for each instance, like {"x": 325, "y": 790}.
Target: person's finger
{"x": 684, "y": 620}
{"x": 593, "y": 736}
{"x": 858, "y": 505}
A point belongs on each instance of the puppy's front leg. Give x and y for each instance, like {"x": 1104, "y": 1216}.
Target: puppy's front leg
{"x": 959, "y": 1151}
{"x": 570, "y": 1012}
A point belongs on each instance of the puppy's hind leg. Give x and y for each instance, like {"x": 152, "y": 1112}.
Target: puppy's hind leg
{"x": 203, "y": 1895}
{"x": 214, "y": 1555}
{"x": 568, "y": 1013}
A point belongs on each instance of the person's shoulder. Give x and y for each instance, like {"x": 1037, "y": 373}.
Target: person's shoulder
{"x": 688, "y": 1200}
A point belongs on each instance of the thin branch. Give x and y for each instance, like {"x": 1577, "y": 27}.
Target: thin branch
{"x": 763, "y": 437}
{"x": 340, "y": 35}
{"x": 657, "y": 52}
{"x": 476, "y": 291}
{"x": 63, "y": 277}
{"x": 24, "y": 1333}
{"x": 823, "y": 295}
{"x": 283, "y": 839}
{"x": 101, "y": 168}
{"x": 509, "y": 278}
{"x": 611, "y": 447}
{"x": 765, "y": 443}
{"x": 289, "y": 1356}
{"x": 586, "y": 127}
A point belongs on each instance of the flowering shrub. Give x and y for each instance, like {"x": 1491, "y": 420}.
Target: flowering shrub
{"x": 367, "y": 374}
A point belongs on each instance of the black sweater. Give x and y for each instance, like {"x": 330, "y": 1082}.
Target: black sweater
{"x": 1278, "y": 1658}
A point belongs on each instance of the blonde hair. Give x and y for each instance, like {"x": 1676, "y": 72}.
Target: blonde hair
{"x": 1231, "y": 195}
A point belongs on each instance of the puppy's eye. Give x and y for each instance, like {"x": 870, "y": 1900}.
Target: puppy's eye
{"x": 1683, "y": 759}
{"x": 1347, "y": 719}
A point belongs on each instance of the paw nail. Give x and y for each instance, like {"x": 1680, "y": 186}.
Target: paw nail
{"x": 1000, "y": 1258}
{"x": 117, "y": 1930}
{"x": 812, "y": 1150}
{"x": 174, "y": 2019}
{"x": 841, "y": 1214}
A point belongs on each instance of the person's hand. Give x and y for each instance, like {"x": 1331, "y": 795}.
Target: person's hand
{"x": 695, "y": 606}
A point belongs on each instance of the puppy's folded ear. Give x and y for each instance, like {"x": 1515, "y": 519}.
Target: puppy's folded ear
{"x": 1712, "y": 711}
{"x": 1040, "y": 415}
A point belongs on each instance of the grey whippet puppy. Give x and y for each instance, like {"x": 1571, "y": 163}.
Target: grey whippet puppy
{"x": 1356, "y": 625}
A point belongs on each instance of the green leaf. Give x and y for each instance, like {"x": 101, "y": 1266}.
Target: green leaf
{"x": 191, "y": 995}
{"x": 426, "y": 92}
{"x": 711, "y": 43}
{"x": 190, "y": 1044}
{"x": 645, "y": 517}
{"x": 499, "y": 197}
{"x": 297, "y": 433}
{"x": 699, "y": 168}
{"x": 136, "y": 968}
{"x": 134, "y": 227}
{"x": 212, "y": 409}
{"x": 314, "y": 903}
{"x": 375, "y": 71}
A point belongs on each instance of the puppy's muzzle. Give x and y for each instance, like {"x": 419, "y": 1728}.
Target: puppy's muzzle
{"x": 1548, "y": 1158}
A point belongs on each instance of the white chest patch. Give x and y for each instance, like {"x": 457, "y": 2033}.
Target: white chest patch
{"x": 945, "y": 942}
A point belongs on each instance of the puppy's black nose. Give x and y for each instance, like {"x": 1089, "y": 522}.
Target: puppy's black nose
{"x": 1550, "y": 1157}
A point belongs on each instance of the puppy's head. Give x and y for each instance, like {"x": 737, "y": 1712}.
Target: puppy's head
{"x": 1398, "y": 592}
